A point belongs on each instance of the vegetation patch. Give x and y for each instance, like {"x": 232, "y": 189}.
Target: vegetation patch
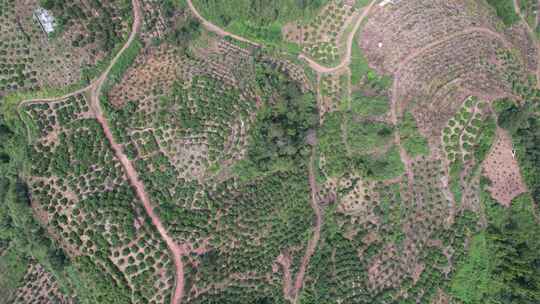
{"x": 359, "y": 65}
{"x": 505, "y": 10}
{"x": 412, "y": 141}
{"x": 369, "y": 106}
{"x": 470, "y": 130}
{"x": 364, "y": 137}
{"x": 324, "y": 37}
{"x": 280, "y": 134}
{"x": 384, "y": 166}
{"x": 259, "y": 20}
{"x": 498, "y": 264}
{"x": 472, "y": 281}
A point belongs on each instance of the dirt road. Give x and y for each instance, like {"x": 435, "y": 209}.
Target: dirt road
{"x": 312, "y": 244}
{"x": 284, "y": 259}
{"x": 95, "y": 91}
{"x": 214, "y": 28}
{"x": 45, "y": 100}
{"x": 136, "y": 183}
{"x": 314, "y": 65}
{"x": 131, "y": 173}
{"x": 350, "y": 40}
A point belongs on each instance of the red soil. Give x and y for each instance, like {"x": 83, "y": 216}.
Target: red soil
{"x": 502, "y": 169}
{"x": 131, "y": 173}
{"x": 284, "y": 259}
{"x": 312, "y": 244}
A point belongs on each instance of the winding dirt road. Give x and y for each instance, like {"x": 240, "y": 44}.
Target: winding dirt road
{"x": 45, "y": 100}
{"x": 214, "y": 28}
{"x": 284, "y": 259}
{"x": 95, "y": 91}
{"x": 350, "y": 40}
{"x": 312, "y": 244}
{"x": 136, "y": 183}
{"x": 314, "y": 65}
{"x": 131, "y": 173}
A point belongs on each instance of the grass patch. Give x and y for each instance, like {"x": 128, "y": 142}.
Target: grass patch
{"x": 361, "y": 3}
{"x": 122, "y": 64}
{"x": 258, "y": 20}
{"x": 412, "y": 141}
{"x": 13, "y": 267}
{"x": 502, "y": 263}
{"x": 359, "y": 65}
{"x": 505, "y": 10}
{"x": 331, "y": 144}
{"x": 455, "y": 185}
{"x": 502, "y": 105}
{"x": 367, "y": 137}
{"x": 369, "y": 106}
{"x": 485, "y": 139}
{"x": 472, "y": 279}
{"x": 385, "y": 166}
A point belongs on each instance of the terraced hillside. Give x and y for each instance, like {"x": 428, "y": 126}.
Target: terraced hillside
{"x": 86, "y": 33}
{"x": 252, "y": 152}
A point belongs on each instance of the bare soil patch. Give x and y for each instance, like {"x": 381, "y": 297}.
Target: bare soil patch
{"x": 502, "y": 169}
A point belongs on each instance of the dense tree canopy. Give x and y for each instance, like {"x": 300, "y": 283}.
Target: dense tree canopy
{"x": 280, "y": 134}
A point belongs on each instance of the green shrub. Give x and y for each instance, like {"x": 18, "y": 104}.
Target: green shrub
{"x": 505, "y": 10}
{"x": 385, "y": 166}
{"x": 369, "y": 106}
{"x": 367, "y": 137}
{"x": 412, "y": 141}
{"x": 331, "y": 144}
